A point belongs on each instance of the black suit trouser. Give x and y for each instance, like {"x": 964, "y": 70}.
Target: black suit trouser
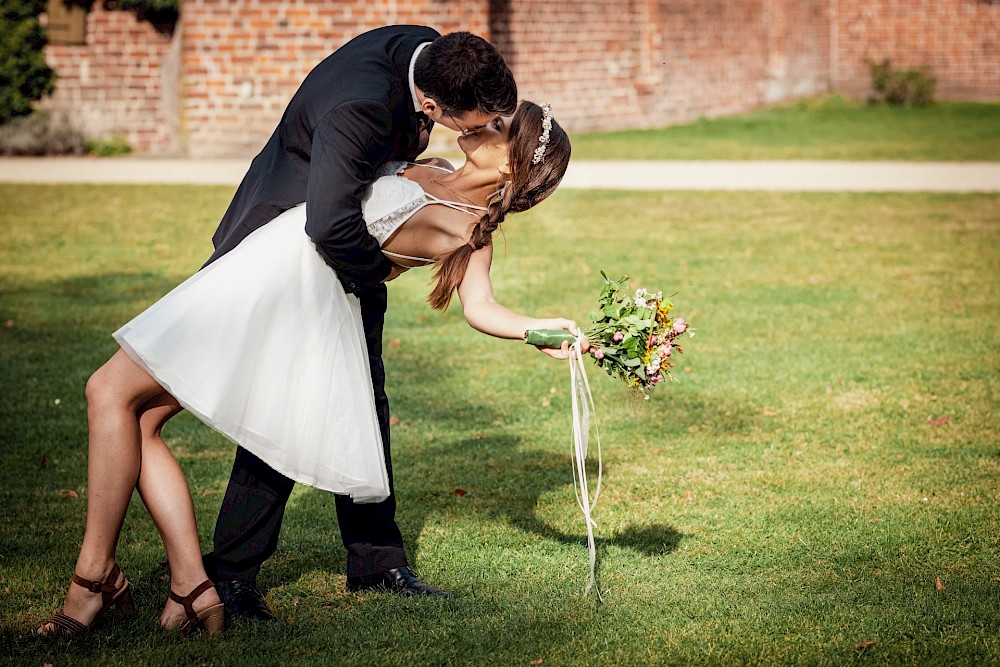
{"x": 246, "y": 533}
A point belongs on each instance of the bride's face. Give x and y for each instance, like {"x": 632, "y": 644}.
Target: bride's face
{"x": 487, "y": 148}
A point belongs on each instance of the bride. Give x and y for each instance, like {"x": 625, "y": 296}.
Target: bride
{"x": 266, "y": 347}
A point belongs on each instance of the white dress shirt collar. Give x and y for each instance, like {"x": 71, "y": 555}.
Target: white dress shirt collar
{"x": 413, "y": 87}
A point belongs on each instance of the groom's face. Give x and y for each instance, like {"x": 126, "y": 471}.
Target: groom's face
{"x": 466, "y": 123}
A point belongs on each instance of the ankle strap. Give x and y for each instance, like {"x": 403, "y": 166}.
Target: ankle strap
{"x": 188, "y": 600}
{"x": 103, "y": 587}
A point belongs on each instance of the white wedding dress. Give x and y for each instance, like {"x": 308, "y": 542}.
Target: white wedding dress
{"x": 266, "y": 347}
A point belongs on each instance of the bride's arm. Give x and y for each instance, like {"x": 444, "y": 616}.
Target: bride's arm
{"x": 484, "y": 314}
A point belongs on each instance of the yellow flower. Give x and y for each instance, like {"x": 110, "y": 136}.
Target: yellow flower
{"x": 662, "y": 312}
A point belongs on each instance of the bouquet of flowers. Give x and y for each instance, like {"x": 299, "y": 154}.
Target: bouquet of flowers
{"x": 633, "y": 336}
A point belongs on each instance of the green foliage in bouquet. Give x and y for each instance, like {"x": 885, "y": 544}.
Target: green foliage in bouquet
{"x": 634, "y": 336}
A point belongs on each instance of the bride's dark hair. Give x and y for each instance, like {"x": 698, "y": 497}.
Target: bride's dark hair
{"x": 527, "y": 184}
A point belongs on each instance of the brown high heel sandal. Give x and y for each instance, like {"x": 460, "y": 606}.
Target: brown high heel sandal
{"x": 111, "y": 596}
{"x": 213, "y": 619}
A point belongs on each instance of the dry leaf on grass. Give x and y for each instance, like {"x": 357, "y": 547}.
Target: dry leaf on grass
{"x": 460, "y": 492}
{"x": 938, "y": 585}
{"x": 394, "y": 420}
{"x": 864, "y": 645}
{"x": 69, "y": 493}
{"x": 940, "y": 421}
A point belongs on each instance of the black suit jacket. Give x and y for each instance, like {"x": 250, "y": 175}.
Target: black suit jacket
{"x": 352, "y": 114}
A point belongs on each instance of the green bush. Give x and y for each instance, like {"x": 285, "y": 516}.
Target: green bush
{"x": 116, "y": 144}
{"x": 24, "y": 75}
{"x": 151, "y": 5}
{"x": 909, "y": 88}
{"x": 160, "y": 13}
{"x": 40, "y": 134}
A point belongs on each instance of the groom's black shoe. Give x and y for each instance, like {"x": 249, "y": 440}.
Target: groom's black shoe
{"x": 243, "y": 600}
{"x": 400, "y": 580}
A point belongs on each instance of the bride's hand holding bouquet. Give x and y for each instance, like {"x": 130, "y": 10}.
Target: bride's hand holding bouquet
{"x": 567, "y": 332}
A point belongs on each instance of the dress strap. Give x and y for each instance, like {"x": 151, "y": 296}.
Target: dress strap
{"x": 452, "y": 204}
{"x": 458, "y": 206}
{"x": 432, "y": 166}
{"x": 402, "y": 256}
{"x": 395, "y": 220}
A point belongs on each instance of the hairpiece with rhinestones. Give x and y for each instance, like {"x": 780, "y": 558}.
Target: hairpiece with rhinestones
{"x": 543, "y": 139}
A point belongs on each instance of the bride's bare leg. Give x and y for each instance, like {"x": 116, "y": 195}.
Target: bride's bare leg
{"x": 165, "y": 492}
{"x": 114, "y": 395}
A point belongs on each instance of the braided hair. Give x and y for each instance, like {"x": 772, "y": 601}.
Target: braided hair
{"x": 528, "y": 183}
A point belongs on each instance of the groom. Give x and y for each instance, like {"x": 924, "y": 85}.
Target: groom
{"x": 373, "y": 100}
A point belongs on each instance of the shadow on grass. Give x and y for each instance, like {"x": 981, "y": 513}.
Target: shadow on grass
{"x": 494, "y": 479}
{"x": 60, "y": 325}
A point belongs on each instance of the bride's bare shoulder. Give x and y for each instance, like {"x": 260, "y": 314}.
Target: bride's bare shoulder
{"x": 437, "y": 162}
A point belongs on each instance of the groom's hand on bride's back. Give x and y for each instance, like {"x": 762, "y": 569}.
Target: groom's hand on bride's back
{"x": 396, "y": 272}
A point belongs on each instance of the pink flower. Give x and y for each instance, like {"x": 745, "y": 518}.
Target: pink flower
{"x": 680, "y": 326}
{"x": 618, "y": 336}
{"x": 598, "y": 353}
{"x": 665, "y": 349}
{"x": 654, "y": 339}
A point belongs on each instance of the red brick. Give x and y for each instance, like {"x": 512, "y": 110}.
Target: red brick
{"x": 638, "y": 64}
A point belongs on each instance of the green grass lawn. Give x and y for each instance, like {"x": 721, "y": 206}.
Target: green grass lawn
{"x": 818, "y": 488}
{"x": 825, "y": 129}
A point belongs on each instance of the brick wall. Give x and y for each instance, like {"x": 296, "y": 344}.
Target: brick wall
{"x": 643, "y": 63}
{"x": 959, "y": 39}
{"x": 122, "y": 81}
{"x": 242, "y": 62}
{"x": 604, "y": 64}
{"x": 638, "y": 63}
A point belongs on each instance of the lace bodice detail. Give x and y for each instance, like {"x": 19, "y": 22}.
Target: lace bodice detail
{"x": 392, "y": 200}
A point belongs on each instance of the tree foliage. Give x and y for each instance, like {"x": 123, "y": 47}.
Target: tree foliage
{"x": 161, "y": 13}
{"x": 24, "y": 75}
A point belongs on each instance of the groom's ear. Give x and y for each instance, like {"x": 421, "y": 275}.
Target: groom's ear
{"x": 430, "y": 107}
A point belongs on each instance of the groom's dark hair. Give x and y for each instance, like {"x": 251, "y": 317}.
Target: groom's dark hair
{"x": 463, "y": 72}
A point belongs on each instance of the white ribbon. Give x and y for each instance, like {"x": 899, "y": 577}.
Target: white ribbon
{"x": 583, "y": 405}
